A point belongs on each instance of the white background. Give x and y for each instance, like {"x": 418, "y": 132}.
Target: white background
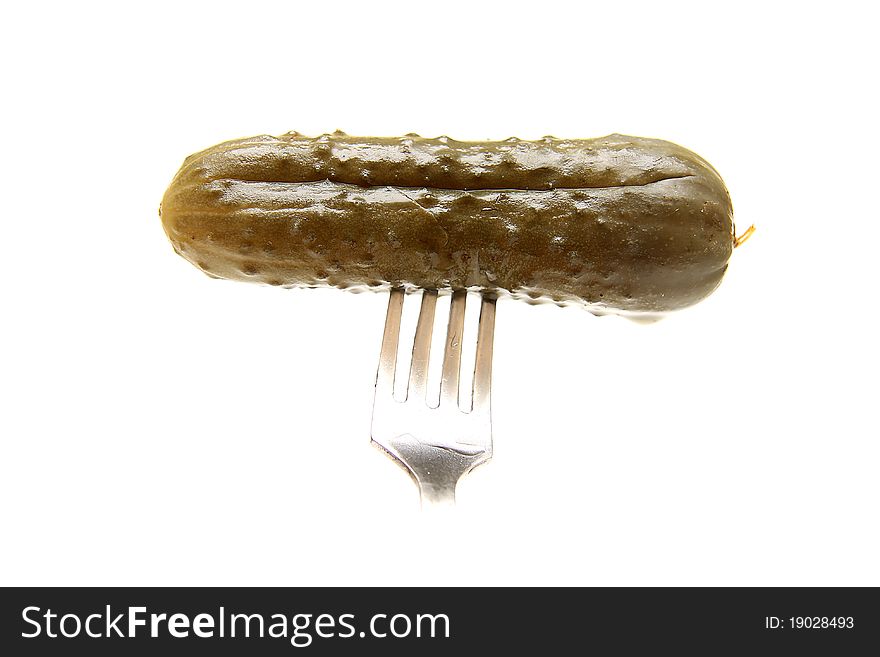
{"x": 160, "y": 427}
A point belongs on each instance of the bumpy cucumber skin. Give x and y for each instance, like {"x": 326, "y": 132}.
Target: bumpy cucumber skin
{"x": 622, "y": 224}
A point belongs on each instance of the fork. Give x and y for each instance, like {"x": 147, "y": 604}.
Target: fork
{"x": 436, "y": 445}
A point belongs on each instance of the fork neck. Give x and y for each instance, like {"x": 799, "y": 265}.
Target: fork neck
{"x": 437, "y": 496}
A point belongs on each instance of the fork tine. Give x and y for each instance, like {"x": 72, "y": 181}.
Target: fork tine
{"x": 418, "y": 373}
{"x": 390, "y": 339}
{"x": 481, "y": 392}
{"x": 452, "y": 354}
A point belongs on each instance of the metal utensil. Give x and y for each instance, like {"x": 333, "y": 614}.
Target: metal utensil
{"x": 436, "y": 445}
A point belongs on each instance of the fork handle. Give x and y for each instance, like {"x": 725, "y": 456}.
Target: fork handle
{"x": 436, "y": 496}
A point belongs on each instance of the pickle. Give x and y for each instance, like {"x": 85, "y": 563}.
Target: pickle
{"x": 620, "y": 224}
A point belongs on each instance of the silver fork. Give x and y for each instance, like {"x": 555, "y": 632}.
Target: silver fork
{"x": 436, "y": 445}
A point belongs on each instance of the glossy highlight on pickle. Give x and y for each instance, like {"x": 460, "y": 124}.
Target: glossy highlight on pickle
{"x": 621, "y": 224}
